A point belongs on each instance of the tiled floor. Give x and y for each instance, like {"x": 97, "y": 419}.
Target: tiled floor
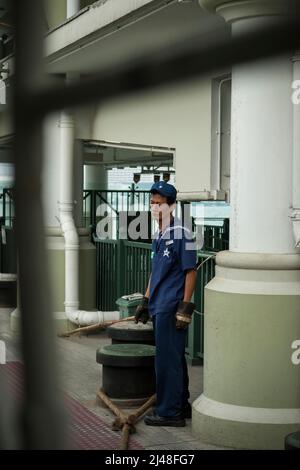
{"x": 81, "y": 376}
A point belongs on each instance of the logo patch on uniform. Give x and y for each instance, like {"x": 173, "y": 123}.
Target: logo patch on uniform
{"x": 166, "y": 252}
{"x": 169, "y": 242}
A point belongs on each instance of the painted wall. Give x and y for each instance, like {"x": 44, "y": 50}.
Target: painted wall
{"x": 177, "y": 117}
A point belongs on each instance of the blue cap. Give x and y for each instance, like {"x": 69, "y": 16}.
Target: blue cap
{"x": 165, "y": 189}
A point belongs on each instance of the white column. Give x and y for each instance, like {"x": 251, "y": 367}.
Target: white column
{"x": 262, "y": 157}
{"x": 296, "y": 146}
{"x": 295, "y": 215}
{"x": 56, "y": 126}
{"x": 261, "y": 136}
{"x": 66, "y": 206}
{"x": 66, "y": 154}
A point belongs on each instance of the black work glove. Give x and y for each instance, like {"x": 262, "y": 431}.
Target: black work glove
{"x": 141, "y": 312}
{"x": 184, "y": 314}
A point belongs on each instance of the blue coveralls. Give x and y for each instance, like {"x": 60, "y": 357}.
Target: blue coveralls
{"x": 173, "y": 253}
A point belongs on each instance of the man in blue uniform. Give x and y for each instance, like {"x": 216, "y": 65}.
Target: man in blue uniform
{"x": 168, "y": 302}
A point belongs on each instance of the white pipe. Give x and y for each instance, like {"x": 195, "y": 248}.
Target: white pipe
{"x": 73, "y": 7}
{"x": 70, "y": 234}
{"x": 83, "y": 318}
{"x": 71, "y": 257}
{"x": 295, "y": 214}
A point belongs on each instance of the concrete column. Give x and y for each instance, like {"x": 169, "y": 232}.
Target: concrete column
{"x": 261, "y": 157}
{"x": 251, "y": 396}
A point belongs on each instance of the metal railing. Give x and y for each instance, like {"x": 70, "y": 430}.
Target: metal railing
{"x": 8, "y": 250}
{"x": 8, "y": 208}
{"x": 195, "y": 340}
{"x": 215, "y": 230}
{"x": 137, "y": 264}
{"x": 107, "y": 266}
{"x": 215, "y": 234}
{"x": 116, "y": 200}
{"x": 124, "y": 267}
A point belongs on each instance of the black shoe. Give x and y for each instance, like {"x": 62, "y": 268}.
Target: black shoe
{"x": 187, "y": 411}
{"x": 155, "y": 420}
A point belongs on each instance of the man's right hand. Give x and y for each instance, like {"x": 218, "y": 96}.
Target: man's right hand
{"x": 184, "y": 314}
{"x": 141, "y": 312}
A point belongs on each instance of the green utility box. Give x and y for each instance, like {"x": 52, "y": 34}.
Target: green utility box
{"x": 128, "y": 303}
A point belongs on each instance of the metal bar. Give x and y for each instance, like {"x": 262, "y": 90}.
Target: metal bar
{"x": 42, "y": 415}
{"x": 97, "y": 273}
{"x": 121, "y": 191}
{"x": 107, "y": 254}
{"x": 4, "y": 206}
{"x": 108, "y": 284}
{"x": 112, "y": 279}
{"x": 105, "y": 248}
{"x": 9, "y": 202}
{"x": 102, "y": 279}
{"x": 138, "y": 256}
{"x": 167, "y": 66}
{"x": 109, "y": 204}
{"x": 120, "y": 269}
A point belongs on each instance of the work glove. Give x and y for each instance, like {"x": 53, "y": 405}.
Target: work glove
{"x": 184, "y": 315}
{"x": 141, "y": 312}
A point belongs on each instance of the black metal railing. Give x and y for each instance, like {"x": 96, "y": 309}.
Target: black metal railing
{"x": 8, "y": 250}
{"x": 8, "y": 207}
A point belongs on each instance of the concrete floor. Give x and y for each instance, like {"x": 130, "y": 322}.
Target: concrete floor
{"x": 81, "y": 377}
